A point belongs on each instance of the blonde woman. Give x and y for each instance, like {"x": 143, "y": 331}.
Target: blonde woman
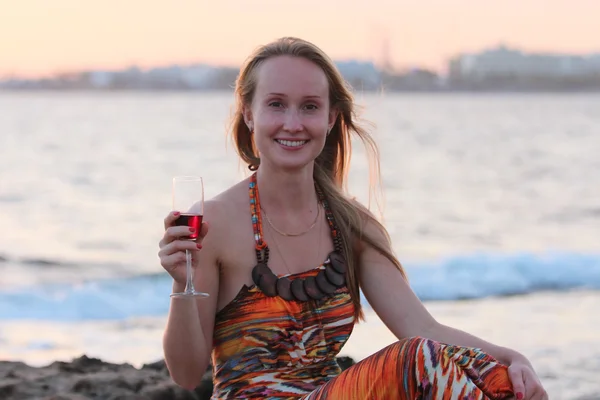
{"x": 287, "y": 253}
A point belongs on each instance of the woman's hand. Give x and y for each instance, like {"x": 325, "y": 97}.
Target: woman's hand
{"x": 174, "y": 244}
{"x": 525, "y": 382}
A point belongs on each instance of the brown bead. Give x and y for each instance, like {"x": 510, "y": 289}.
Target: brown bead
{"x": 313, "y": 291}
{"x": 284, "y": 289}
{"x": 298, "y": 290}
{"x": 323, "y": 284}
{"x": 338, "y": 262}
{"x": 268, "y": 284}
{"x": 258, "y": 270}
{"x": 334, "y": 277}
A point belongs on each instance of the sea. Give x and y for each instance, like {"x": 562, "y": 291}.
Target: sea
{"x": 492, "y": 202}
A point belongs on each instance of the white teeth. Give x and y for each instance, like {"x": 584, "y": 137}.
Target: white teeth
{"x": 291, "y": 143}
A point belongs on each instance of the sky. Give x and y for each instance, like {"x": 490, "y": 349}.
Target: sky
{"x": 44, "y": 37}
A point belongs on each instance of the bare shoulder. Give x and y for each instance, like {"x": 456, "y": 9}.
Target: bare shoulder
{"x": 227, "y": 200}
{"x": 371, "y": 227}
{"x": 226, "y": 211}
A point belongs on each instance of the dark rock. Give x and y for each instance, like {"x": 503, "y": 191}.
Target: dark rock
{"x": 92, "y": 378}
{"x": 167, "y": 391}
{"x": 345, "y": 362}
{"x": 205, "y": 389}
{"x": 159, "y": 365}
{"x": 7, "y": 387}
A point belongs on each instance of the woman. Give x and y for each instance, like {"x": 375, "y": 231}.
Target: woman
{"x": 287, "y": 252}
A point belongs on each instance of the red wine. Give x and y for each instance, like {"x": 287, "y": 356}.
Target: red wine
{"x": 191, "y": 220}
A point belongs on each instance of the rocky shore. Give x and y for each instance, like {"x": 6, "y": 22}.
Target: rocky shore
{"x": 91, "y": 378}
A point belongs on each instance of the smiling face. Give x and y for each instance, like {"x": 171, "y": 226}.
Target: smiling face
{"x": 290, "y": 112}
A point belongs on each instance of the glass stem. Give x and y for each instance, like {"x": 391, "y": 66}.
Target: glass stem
{"x": 189, "y": 272}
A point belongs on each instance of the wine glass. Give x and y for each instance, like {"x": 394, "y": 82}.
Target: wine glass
{"x": 188, "y": 198}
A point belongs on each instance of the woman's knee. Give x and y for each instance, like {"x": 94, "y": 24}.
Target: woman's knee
{"x": 413, "y": 343}
{"x": 405, "y": 352}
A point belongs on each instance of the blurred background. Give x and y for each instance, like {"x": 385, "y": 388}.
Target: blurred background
{"x": 487, "y": 115}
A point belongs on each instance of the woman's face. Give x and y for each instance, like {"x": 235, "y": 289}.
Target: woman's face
{"x": 290, "y": 113}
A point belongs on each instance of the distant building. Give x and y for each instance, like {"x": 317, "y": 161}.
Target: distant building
{"x": 198, "y": 76}
{"x": 512, "y": 69}
{"x": 496, "y": 69}
{"x": 100, "y": 79}
{"x": 362, "y": 75}
{"x": 503, "y": 61}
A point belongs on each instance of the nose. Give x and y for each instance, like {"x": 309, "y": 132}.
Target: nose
{"x": 292, "y": 122}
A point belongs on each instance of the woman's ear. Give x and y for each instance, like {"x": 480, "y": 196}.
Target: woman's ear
{"x": 247, "y": 113}
{"x": 333, "y": 115}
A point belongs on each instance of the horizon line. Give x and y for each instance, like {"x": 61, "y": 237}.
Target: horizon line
{"x": 396, "y": 67}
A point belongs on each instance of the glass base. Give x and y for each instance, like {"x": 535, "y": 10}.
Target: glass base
{"x": 190, "y": 294}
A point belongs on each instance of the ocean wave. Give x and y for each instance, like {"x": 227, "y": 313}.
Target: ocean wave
{"x": 484, "y": 275}
{"x": 472, "y": 276}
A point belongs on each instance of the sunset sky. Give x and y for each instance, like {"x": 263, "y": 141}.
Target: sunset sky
{"x": 40, "y": 37}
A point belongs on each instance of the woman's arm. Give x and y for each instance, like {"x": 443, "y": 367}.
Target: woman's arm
{"x": 187, "y": 340}
{"x": 401, "y": 310}
{"x": 446, "y": 334}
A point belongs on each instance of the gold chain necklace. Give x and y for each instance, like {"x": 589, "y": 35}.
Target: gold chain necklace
{"x": 281, "y": 255}
{"x": 293, "y": 234}
{"x": 283, "y": 258}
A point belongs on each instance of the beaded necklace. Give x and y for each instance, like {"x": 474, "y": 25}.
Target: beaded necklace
{"x": 327, "y": 281}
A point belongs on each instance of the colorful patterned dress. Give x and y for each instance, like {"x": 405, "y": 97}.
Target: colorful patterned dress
{"x": 266, "y": 347}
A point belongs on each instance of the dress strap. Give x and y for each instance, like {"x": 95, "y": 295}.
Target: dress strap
{"x": 335, "y": 232}
{"x": 262, "y": 250}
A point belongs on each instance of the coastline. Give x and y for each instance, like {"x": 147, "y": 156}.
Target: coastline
{"x": 565, "y": 360}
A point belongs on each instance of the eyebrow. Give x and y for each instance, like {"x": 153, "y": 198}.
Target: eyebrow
{"x": 283, "y": 95}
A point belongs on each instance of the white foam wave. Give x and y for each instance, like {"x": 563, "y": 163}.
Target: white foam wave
{"x": 473, "y": 276}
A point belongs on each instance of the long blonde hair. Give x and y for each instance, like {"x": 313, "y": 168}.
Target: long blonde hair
{"x": 331, "y": 166}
